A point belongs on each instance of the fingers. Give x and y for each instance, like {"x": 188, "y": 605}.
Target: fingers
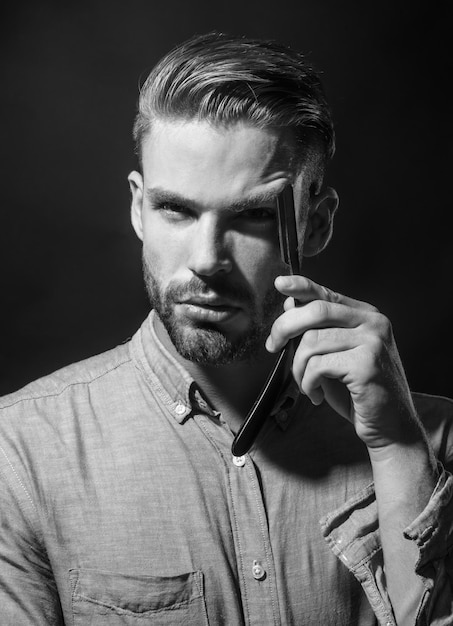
{"x": 324, "y": 362}
{"x": 319, "y": 342}
{"x": 306, "y": 290}
{"x": 320, "y": 308}
{"x": 315, "y": 314}
{"x": 347, "y": 356}
{"x": 325, "y": 378}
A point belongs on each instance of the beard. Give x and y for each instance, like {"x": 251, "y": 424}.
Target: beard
{"x": 204, "y": 343}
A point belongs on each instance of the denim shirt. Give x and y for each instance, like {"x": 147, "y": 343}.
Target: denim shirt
{"x": 121, "y": 503}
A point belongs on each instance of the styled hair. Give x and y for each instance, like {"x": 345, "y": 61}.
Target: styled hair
{"x": 226, "y": 79}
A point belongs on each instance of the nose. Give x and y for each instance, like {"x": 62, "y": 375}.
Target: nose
{"x": 209, "y": 251}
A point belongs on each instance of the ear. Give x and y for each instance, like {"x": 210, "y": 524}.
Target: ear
{"x": 320, "y": 221}
{"x": 136, "y": 186}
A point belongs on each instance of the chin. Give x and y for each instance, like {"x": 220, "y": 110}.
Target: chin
{"x": 210, "y": 346}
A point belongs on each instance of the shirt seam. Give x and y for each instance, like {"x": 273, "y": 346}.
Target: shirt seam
{"x": 20, "y": 488}
{"x": 379, "y": 602}
{"x": 32, "y": 398}
{"x": 19, "y": 480}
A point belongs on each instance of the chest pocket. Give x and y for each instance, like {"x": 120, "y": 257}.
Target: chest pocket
{"x": 100, "y": 598}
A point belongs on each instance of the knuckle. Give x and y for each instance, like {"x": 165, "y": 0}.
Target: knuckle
{"x": 329, "y": 294}
{"x": 372, "y": 352}
{"x": 313, "y": 365}
{"x": 310, "y": 338}
{"x": 321, "y": 308}
{"x": 333, "y": 296}
{"x": 383, "y": 326}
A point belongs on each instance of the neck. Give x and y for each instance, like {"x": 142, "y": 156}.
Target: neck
{"x": 231, "y": 389}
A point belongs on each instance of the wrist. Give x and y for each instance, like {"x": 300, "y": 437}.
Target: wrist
{"x": 405, "y": 471}
{"x": 397, "y": 453}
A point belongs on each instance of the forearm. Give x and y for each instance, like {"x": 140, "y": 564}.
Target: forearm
{"x": 405, "y": 477}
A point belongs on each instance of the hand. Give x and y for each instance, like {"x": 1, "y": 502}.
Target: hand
{"x": 347, "y": 355}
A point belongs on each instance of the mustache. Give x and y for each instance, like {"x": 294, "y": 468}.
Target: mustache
{"x": 221, "y": 288}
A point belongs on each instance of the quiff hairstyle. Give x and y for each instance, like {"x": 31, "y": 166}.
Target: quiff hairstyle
{"x": 227, "y": 79}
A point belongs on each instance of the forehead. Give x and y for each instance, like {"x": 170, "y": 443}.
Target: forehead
{"x": 216, "y": 164}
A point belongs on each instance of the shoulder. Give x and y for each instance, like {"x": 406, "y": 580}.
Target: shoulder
{"x": 68, "y": 380}
{"x": 47, "y": 423}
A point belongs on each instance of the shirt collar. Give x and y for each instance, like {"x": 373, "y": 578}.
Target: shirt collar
{"x": 170, "y": 380}
{"x": 176, "y": 387}
{"x": 285, "y": 404}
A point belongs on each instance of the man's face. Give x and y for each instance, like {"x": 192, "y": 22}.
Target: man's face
{"x": 206, "y": 212}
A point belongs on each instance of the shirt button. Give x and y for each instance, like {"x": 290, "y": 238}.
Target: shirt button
{"x": 180, "y": 409}
{"x": 239, "y": 461}
{"x": 259, "y": 573}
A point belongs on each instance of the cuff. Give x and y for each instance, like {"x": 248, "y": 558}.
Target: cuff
{"x": 432, "y": 530}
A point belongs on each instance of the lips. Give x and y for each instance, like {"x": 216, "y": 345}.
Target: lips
{"x": 208, "y": 309}
{"x": 217, "y": 304}
{"x": 209, "y": 301}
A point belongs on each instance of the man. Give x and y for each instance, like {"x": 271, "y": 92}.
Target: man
{"x": 120, "y": 499}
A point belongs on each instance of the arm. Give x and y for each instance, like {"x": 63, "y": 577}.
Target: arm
{"x": 404, "y": 479}
{"x": 347, "y": 356}
{"x": 28, "y": 593}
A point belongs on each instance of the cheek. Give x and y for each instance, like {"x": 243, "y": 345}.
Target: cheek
{"x": 158, "y": 261}
{"x": 259, "y": 262}
{"x": 163, "y": 253}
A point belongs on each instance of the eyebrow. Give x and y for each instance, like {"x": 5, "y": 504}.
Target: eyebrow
{"x": 158, "y": 195}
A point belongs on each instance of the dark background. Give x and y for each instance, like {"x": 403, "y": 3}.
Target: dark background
{"x": 70, "y": 264}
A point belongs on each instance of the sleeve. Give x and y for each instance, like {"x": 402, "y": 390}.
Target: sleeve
{"x": 352, "y": 533}
{"x": 28, "y": 594}
{"x": 433, "y": 533}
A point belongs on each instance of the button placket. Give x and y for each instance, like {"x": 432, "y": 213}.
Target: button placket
{"x": 252, "y": 538}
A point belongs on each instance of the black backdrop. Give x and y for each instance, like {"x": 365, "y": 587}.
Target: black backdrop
{"x": 70, "y": 265}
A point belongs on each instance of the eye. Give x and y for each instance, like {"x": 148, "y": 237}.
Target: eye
{"x": 258, "y": 214}
{"x": 171, "y": 207}
{"x": 173, "y": 211}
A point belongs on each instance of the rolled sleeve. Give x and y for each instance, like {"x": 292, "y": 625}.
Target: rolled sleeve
{"x": 352, "y": 532}
{"x": 432, "y": 531}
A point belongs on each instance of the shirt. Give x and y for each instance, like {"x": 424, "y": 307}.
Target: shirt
{"x": 121, "y": 503}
